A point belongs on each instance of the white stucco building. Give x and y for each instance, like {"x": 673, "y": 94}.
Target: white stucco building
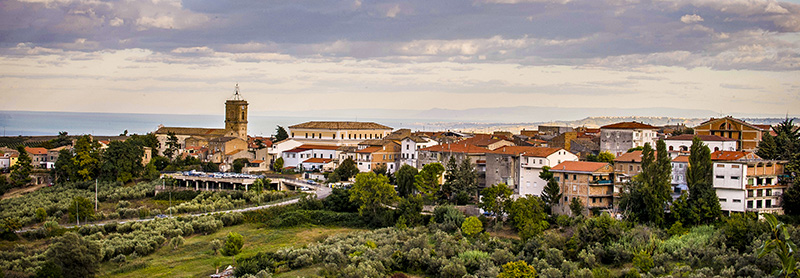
{"x": 531, "y": 164}
{"x": 409, "y": 148}
{"x": 620, "y": 137}
{"x": 677, "y": 145}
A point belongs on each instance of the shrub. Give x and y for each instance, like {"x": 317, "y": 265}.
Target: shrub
{"x": 233, "y": 244}
{"x": 471, "y": 226}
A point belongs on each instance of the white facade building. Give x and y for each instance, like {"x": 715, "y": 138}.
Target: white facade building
{"x": 677, "y": 145}
{"x": 531, "y": 164}
{"x": 620, "y": 137}
{"x": 409, "y": 148}
{"x": 729, "y": 183}
{"x": 295, "y": 157}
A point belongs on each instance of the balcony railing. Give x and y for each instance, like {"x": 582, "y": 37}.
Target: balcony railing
{"x": 601, "y": 182}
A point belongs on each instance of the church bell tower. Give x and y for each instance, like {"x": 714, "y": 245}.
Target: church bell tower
{"x": 236, "y": 116}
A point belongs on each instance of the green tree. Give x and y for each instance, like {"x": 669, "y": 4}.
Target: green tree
{"x": 149, "y": 140}
{"x": 427, "y": 181}
{"x": 41, "y": 214}
{"x": 21, "y": 171}
{"x": 239, "y": 164}
{"x": 65, "y": 169}
{"x": 551, "y": 194}
{"x": 790, "y": 200}
{"x": 373, "y": 192}
{"x": 471, "y": 226}
{"x": 461, "y": 180}
{"x": 280, "y": 134}
{"x": 278, "y": 164}
{"x": 781, "y": 243}
{"x": 518, "y": 269}
{"x": 767, "y": 148}
{"x": 75, "y": 256}
{"x": 82, "y": 207}
{"x": 496, "y": 199}
{"x": 410, "y": 209}
{"x": 576, "y": 206}
{"x": 702, "y": 197}
{"x": 645, "y": 198}
{"x": 176, "y": 242}
{"x": 172, "y": 145}
{"x": 215, "y": 245}
{"x": 347, "y": 169}
{"x": 405, "y": 180}
{"x": 528, "y": 216}
{"x": 87, "y": 158}
{"x": 233, "y": 244}
{"x": 605, "y": 157}
{"x": 122, "y": 161}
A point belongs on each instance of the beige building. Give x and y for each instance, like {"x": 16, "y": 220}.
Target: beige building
{"x": 766, "y": 182}
{"x": 747, "y": 136}
{"x": 590, "y": 182}
{"x": 337, "y": 133}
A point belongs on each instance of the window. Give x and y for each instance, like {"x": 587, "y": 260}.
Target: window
{"x": 758, "y": 204}
{"x": 750, "y": 193}
{"x": 737, "y": 200}
{"x": 769, "y": 192}
{"x": 720, "y": 177}
{"x": 630, "y": 168}
{"x": 758, "y": 193}
{"x": 349, "y": 136}
{"x": 723, "y": 200}
{"x": 735, "y": 166}
{"x": 749, "y": 204}
{"x": 720, "y": 166}
{"x": 768, "y": 203}
{"x": 574, "y": 188}
{"x": 574, "y": 177}
{"x": 734, "y": 177}
{"x": 333, "y": 136}
{"x": 407, "y": 147}
{"x": 670, "y": 148}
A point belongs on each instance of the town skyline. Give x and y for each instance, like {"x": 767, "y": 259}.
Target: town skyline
{"x": 730, "y": 57}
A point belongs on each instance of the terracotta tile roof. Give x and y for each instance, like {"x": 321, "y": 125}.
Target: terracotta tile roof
{"x": 318, "y": 160}
{"x": 525, "y": 151}
{"x": 259, "y": 161}
{"x": 689, "y": 137}
{"x": 681, "y": 158}
{"x": 191, "y": 131}
{"x": 628, "y": 125}
{"x": 732, "y": 155}
{"x": 340, "y": 125}
{"x": 233, "y": 152}
{"x": 634, "y": 156}
{"x": 370, "y": 150}
{"x": 578, "y": 166}
{"x": 36, "y": 150}
{"x": 457, "y": 148}
{"x": 483, "y": 140}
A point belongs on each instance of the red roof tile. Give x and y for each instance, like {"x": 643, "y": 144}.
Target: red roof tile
{"x": 36, "y": 150}
{"x": 628, "y": 125}
{"x": 681, "y": 158}
{"x": 370, "y": 150}
{"x": 318, "y": 160}
{"x": 732, "y": 155}
{"x": 689, "y": 137}
{"x": 526, "y": 151}
{"x": 578, "y": 166}
{"x": 457, "y": 148}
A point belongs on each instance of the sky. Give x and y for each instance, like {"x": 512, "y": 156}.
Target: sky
{"x": 185, "y": 57}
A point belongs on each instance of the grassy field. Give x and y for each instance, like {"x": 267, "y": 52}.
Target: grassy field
{"x": 195, "y": 258}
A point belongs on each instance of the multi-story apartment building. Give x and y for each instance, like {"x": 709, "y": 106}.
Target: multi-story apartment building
{"x": 620, "y": 137}
{"x": 590, "y": 182}
{"x": 531, "y": 164}
{"x": 386, "y": 155}
{"x": 729, "y": 178}
{"x": 747, "y": 136}
{"x": 297, "y": 156}
{"x": 766, "y": 182}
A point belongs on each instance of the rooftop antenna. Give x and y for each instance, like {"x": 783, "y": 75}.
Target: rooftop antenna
{"x": 236, "y": 95}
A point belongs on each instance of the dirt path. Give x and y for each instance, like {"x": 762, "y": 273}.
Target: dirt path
{"x": 16, "y": 192}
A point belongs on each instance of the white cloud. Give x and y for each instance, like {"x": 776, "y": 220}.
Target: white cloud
{"x": 693, "y": 18}
{"x": 116, "y": 22}
{"x": 393, "y": 11}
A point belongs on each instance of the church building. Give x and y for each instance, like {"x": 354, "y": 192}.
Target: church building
{"x": 234, "y": 135}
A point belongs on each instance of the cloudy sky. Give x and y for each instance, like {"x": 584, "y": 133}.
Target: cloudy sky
{"x": 166, "y": 56}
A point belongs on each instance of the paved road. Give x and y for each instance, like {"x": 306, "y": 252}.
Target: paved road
{"x": 320, "y": 191}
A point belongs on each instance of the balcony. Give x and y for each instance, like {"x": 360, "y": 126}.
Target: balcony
{"x": 601, "y": 182}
